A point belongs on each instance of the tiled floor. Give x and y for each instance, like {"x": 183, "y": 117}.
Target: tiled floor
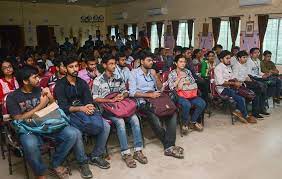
{"x": 222, "y": 151}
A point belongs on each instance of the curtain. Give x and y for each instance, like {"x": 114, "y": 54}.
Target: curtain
{"x": 216, "y": 29}
{"x": 125, "y": 29}
{"x": 116, "y": 30}
{"x": 160, "y": 32}
{"x": 175, "y": 27}
{"x": 134, "y": 29}
{"x": 149, "y": 26}
{"x": 190, "y": 31}
{"x": 234, "y": 28}
{"x": 262, "y": 25}
{"x": 109, "y": 28}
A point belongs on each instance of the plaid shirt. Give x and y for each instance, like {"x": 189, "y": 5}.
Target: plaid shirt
{"x": 172, "y": 77}
{"x": 104, "y": 85}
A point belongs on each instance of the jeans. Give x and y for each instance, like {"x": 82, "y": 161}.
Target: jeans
{"x": 121, "y": 132}
{"x": 67, "y": 139}
{"x": 204, "y": 87}
{"x": 93, "y": 125}
{"x": 240, "y": 101}
{"x": 166, "y": 136}
{"x": 186, "y": 105}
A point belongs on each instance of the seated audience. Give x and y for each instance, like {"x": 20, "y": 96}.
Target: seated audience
{"x": 181, "y": 80}
{"x": 60, "y": 72}
{"x": 44, "y": 75}
{"x": 217, "y": 49}
{"x": 121, "y": 70}
{"x": 22, "y": 104}
{"x": 234, "y": 51}
{"x": 145, "y": 83}
{"x": 208, "y": 65}
{"x": 106, "y": 84}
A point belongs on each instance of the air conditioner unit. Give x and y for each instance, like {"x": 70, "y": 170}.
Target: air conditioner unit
{"x": 157, "y": 11}
{"x": 254, "y": 2}
{"x": 120, "y": 16}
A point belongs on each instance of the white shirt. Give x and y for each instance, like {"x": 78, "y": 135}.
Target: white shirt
{"x": 129, "y": 60}
{"x": 233, "y": 61}
{"x": 254, "y": 67}
{"x": 240, "y": 71}
{"x": 222, "y": 73}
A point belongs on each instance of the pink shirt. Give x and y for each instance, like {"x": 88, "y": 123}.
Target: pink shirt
{"x": 83, "y": 74}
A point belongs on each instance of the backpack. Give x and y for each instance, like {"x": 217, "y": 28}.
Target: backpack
{"x": 51, "y": 123}
{"x": 122, "y": 109}
{"x": 162, "y": 106}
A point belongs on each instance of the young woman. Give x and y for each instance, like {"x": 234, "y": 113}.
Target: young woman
{"x": 182, "y": 81}
{"x": 208, "y": 65}
{"x": 8, "y": 82}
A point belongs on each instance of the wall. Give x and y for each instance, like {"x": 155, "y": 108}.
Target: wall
{"x": 62, "y": 17}
{"x": 201, "y": 10}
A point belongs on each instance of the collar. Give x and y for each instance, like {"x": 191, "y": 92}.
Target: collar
{"x": 106, "y": 78}
{"x": 141, "y": 72}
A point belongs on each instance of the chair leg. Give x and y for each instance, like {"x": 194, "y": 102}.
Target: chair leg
{"x": 180, "y": 123}
{"x": 142, "y": 132}
{"x": 231, "y": 113}
{"x": 10, "y": 160}
{"x": 25, "y": 167}
{"x": 3, "y": 142}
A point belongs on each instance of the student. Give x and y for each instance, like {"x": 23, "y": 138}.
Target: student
{"x": 22, "y": 104}
{"x": 223, "y": 74}
{"x": 121, "y": 70}
{"x": 267, "y": 66}
{"x": 44, "y": 58}
{"x": 74, "y": 98}
{"x": 182, "y": 79}
{"x": 44, "y": 75}
{"x": 208, "y": 65}
{"x": 241, "y": 72}
{"x": 8, "y": 82}
{"x": 29, "y": 60}
{"x": 128, "y": 53}
{"x": 89, "y": 43}
{"x": 234, "y": 52}
{"x": 144, "y": 83}
{"x": 109, "y": 83}
{"x": 217, "y": 49}
{"x": 90, "y": 72}
{"x": 67, "y": 45}
{"x": 60, "y": 71}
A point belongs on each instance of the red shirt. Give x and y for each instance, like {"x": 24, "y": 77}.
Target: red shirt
{"x": 7, "y": 87}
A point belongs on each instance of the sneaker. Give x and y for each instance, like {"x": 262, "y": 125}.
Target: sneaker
{"x": 240, "y": 117}
{"x": 258, "y": 116}
{"x": 99, "y": 162}
{"x": 251, "y": 119}
{"x": 265, "y": 113}
{"x": 197, "y": 127}
{"x": 85, "y": 172}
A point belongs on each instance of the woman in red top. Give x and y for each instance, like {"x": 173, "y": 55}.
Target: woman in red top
{"x": 8, "y": 82}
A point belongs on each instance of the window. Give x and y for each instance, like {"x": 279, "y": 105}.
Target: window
{"x": 154, "y": 37}
{"x": 130, "y": 31}
{"x": 225, "y": 35}
{"x": 182, "y": 37}
{"x": 273, "y": 38}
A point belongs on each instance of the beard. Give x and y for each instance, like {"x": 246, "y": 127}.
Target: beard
{"x": 74, "y": 74}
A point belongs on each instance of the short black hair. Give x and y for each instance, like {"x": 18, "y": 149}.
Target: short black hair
{"x": 25, "y": 73}
{"x": 267, "y": 52}
{"x": 207, "y": 54}
{"x": 253, "y": 50}
{"x": 27, "y": 57}
{"x": 235, "y": 48}
{"x": 224, "y": 53}
{"x": 242, "y": 53}
{"x": 218, "y": 46}
{"x": 145, "y": 54}
{"x": 119, "y": 55}
{"x": 177, "y": 57}
{"x": 184, "y": 49}
{"x": 58, "y": 61}
{"x": 107, "y": 57}
{"x": 41, "y": 65}
{"x": 90, "y": 57}
{"x": 195, "y": 52}
{"x": 70, "y": 59}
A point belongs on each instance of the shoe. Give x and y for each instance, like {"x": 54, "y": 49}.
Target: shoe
{"x": 85, "y": 172}
{"x": 196, "y": 126}
{"x": 277, "y": 101}
{"x": 251, "y": 119}
{"x": 258, "y": 116}
{"x": 140, "y": 157}
{"x": 99, "y": 162}
{"x": 185, "y": 129}
{"x": 265, "y": 113}
{"x": 240, "y": 116}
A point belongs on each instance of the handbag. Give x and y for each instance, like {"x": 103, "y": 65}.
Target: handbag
{"x": 188, "y": 90}
{"x": 122, "y": 109}
{"x": 246, "y": 93}
{"x": 161, "y": 106}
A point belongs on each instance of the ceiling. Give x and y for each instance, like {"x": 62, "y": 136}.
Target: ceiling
{"x": 78, "y": 2}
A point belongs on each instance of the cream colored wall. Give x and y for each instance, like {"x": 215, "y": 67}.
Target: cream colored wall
{"x": 62, "y": 17}
{"x": 185, "y": 9}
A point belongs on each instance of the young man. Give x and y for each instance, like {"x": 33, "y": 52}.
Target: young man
{"x": 241, "y": 72}
{"x": 217, "y": 49}
{"x": 45, "y": 60}
{"x": 121, "y": 70}
{"x": 109, "y": 83}
{"x": 44, "y": 75}
{"x": 74, "y": 98}
{"x": 267, "y": 66}
{"x": 90, "y": 72}
{"x": 22, "y": 104}
{"x": 128, "y": 53}
{"x": 223, "y": 74}
{"x": 144, "y": 83}
{"x": 234, "y": 52}
{"x": 60, "y": 71}
{"x": 89, "y": 43}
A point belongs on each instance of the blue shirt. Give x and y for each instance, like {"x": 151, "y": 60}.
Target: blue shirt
{"x": 122, "y": 73}
{"x": 140, "y": 82}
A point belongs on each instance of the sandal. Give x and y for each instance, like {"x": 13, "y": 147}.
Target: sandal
{"x": 179, "y": 149}
{"x": 140, "y": 157}
{"x": 129, "y": 160}
{"x": 61, "y": 173}
{"x": 174, "y": 152}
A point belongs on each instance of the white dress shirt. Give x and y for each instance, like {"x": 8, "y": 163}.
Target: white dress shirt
{"x": 222, "y": 73}
{"x": 240, "y": 71}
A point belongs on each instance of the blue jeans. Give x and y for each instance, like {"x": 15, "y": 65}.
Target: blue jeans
{"x": 240, "y": 101}
{"x": 93, "y": 125}
{"x": 186, "y": 105}
{"x": 68, "y": 138}
{"x": 121, "y": 131}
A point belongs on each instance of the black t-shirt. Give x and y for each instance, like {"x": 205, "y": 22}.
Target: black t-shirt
{"x": 19, "y": 102}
